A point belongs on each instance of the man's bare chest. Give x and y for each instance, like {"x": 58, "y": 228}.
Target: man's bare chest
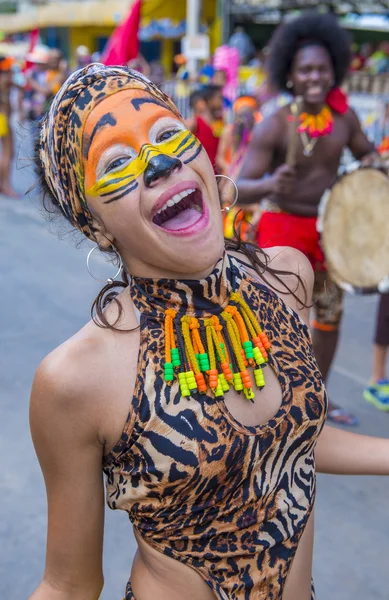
{"x": 321, "y": 152}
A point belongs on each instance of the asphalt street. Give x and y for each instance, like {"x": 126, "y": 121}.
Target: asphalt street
{"x": 45, "y": 297}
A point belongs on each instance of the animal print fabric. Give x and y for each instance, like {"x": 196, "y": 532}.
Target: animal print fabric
{"x": 130, "y": 593}
{"x": 61, "y": 134}
{"x": 230, "y": 501}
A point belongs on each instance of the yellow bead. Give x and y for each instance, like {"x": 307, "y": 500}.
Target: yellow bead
{"x": 249, "y": 394}
{"x": 219, "y": 391}
{"x": 258, "y": 356}
{"x": 223, "y": 383}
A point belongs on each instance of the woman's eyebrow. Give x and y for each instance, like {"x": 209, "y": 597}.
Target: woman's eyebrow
{"x": 107, "y": 119}
{"x": 138, "y": 102}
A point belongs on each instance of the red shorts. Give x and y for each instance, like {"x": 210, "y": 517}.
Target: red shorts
{"x": 282, "y": 229}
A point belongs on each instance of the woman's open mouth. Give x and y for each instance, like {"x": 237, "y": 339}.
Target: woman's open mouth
{"x": 182, "y": 211}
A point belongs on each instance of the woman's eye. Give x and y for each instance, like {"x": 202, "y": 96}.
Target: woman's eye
{"x": 115, "y": 164}
{"x": 162, "y": 137}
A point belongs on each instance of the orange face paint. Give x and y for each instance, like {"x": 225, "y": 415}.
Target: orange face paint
{"x": 122, "y": 134}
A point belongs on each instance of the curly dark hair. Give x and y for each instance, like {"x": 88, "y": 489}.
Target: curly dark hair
{"x": 312, "y": 28}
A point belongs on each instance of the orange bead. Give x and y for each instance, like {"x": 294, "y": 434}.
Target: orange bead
{"x": 213, "y": 373}
{"x": 244, "y": 357}
{"x": 227, "y": 371}
{"x": 267, "y": 345}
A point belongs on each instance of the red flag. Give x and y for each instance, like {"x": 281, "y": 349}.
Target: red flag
{"x": 34, "y": 39}
{"x": 123, "y": 45}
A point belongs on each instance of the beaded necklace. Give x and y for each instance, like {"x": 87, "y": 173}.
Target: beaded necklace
{"x": 214, "y": 353}
{"x": 312, "y": 127}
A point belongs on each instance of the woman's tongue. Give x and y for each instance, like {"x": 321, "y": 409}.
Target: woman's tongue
{"x": 186, "y": 218}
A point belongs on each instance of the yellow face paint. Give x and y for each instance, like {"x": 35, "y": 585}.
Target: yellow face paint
{"x": 126, "y": 119}
{"x": 176, "y": 146}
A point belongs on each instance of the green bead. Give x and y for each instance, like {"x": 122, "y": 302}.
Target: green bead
{"x": 168, "y": 377}
{"x": 174, "y": 352}
{"x": 249, "y": 354}
{"x": 247, "y": 344}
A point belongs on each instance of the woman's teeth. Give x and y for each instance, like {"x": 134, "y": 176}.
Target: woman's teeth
{"x": 175, "y": 199}
{"x": 185, "y": 207}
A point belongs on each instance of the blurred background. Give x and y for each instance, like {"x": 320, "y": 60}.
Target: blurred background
{"x": 46, "y": 293}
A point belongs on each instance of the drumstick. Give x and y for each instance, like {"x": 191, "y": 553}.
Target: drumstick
{"x": 293, "y": 134}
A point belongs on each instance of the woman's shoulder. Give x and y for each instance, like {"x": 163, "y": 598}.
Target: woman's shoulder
{"x": 293, "y": 262}
{"x": 288, "y": 273}
{"x": 79, "y": 377}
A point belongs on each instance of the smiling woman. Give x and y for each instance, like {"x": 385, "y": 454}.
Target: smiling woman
{"x": 215, "y": 469}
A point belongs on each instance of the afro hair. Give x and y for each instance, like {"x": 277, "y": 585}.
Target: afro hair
{"x": 310, "y": 29}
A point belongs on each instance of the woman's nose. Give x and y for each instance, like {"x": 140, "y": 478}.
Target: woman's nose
{"x": 160, "y": 167}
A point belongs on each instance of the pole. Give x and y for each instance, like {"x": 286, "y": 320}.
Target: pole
{"x": 192, "y": 28}
{"x": 226, "y": 20}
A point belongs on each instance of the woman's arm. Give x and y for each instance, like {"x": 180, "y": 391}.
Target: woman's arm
{"x": 337, "y": 451}
{"x": 64, "y": 432}
{"x": 340, "y": 452}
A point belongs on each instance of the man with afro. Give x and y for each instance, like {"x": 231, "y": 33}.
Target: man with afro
{"x": 309, "y": 57}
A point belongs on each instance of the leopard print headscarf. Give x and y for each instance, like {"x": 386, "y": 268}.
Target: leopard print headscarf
{"x": 60, "y": 147}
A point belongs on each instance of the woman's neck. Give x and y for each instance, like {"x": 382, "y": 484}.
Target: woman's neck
{"x": 145, "y": 271}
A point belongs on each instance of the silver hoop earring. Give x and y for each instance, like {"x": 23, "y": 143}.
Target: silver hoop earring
{"x": 289, "y": 85}
{"x": 227, "y": 208}
{"x": 110, "y": 279}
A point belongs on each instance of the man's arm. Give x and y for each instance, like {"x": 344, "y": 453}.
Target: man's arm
{"x": 252, "y": 184}
{"x": 359, "y": 144}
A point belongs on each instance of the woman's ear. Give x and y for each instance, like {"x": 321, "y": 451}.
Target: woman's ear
{"x": 104, "y": 239}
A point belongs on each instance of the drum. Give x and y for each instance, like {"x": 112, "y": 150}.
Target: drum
{"x": 354, "y": 226}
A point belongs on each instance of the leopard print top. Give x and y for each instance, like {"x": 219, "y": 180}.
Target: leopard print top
{"x": 227, "y": 499}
